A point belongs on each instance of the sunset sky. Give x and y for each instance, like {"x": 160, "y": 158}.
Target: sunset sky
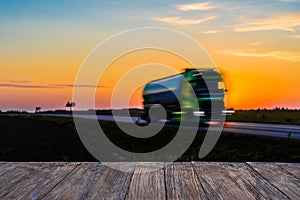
{"x": 255, "y": 44}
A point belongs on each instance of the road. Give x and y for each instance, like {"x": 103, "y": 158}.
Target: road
{"x": 271, "y": 130}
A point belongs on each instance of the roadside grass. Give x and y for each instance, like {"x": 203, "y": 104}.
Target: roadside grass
{"x": 233, "y": 147}
{"x": 39, "y": 138}
{"x": 266, "y": 116}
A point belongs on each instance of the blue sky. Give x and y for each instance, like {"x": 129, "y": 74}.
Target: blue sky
{"x": 121, "y": 15}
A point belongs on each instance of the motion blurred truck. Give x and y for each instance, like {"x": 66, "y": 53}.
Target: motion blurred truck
{"x": 187, "y": 96}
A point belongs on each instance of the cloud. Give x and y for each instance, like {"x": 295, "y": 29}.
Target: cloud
{"x": 210, "y": 32}
{"x": 181, "y": 21}
{"x": 254, "y": 43}
{"x": 71, "y": 85}
{"x": 19, "y": 81}
{"x": 286, "y": 22}
{"x": 290, "y": 1}
{"x": 195, "y": 6}
{"x": 280, "y": 55}
{"x": 20, "y": 84}
{"x": 296, "y": 36}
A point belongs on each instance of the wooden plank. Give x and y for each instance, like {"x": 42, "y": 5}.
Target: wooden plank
{"x": 78, "y": 183}
{"x": 11, "y": 178}
{"x": 293, "y": 168}
{"x": 35, "y": 180}
{"x": 148, "y": 182}
{"x": 112, "y": 183}
{"x": 234, "y": 181}
{"x": 196, "y": 180}
{"x": 182, "y": 182}
{"x": 281, "y": 179}
{"x": 6, "y": 167}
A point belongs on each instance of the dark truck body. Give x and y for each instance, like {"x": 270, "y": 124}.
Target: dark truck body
{"x": 176, "y": 98}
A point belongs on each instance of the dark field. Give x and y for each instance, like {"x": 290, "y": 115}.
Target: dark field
{"x": 29, "y": 138}
{"x": 267, "y": 116}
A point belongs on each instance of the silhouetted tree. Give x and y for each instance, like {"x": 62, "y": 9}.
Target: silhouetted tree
{"x": 70, "y": 105}
{"x": 37, "y": 109}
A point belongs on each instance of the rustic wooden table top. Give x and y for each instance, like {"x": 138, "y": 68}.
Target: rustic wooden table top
{"x": 188, "y": 180}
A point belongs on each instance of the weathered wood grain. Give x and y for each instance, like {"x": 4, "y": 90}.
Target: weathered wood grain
{"x": 6, "y": 167}
{"x": 12, "y": 178}
{"x": 34, "y": 180}
{"x": 293, "y": 168}
{"x": 148, "y": 182}
{"x": 234, "y": 181}
{"x": 281, "y": 179}
{"x": 196, "y": 180}
{"x": 78, "y": 183}
{"x": 112, "y": 183}
{"x": 182, "y": 182}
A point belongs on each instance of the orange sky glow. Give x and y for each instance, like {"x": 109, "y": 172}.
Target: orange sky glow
{"x": 257, "y": 53}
